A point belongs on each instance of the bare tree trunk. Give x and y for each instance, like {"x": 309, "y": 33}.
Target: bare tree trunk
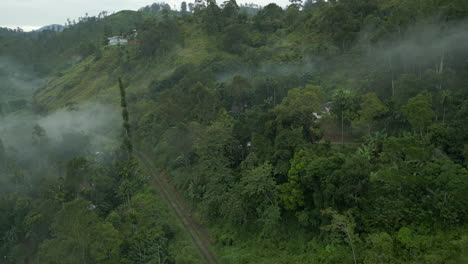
{"x": 441, "y": 66}
{"x": 441, "y": 70}
{"x": 342, "y": 130}
{"x": 443, "y": 114}
{"x": 352, "y": 247}
{"x": 159, "y": 254}
{"x": 393, "y": 76}
{"x": 274, "y": 96}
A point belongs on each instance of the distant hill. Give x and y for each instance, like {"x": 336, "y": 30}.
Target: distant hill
{"x": 53, "y": 27}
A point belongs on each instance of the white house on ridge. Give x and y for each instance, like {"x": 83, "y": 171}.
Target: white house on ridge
{"x": 117, "y": 41}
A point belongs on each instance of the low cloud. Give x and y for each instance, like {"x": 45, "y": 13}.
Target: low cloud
{"x": 42, "y": 144}
{"x": 422, "y": 45}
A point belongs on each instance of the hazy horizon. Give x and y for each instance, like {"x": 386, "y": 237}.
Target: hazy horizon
{"x": 33, "y": 14}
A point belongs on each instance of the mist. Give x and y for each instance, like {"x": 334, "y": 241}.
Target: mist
{"x": 429, "y": 43}
{"x": 17, "y": 85}
{"x": 40, "y": 145}
{"x": 274, "y": 69}
{"x": 94, "y": 126}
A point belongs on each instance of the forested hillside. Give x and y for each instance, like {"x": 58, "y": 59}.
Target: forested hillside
{"x": 326, "y": 132}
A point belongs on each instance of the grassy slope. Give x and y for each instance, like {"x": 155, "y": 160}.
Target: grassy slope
{"x": 96, "y": 79}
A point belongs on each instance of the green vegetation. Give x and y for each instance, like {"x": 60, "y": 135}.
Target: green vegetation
{"x": 328, "y": 132}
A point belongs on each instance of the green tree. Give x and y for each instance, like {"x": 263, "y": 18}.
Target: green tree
{"x": 444, "y": 101}
{"x": 345, "y": 104}
{"x": 408, "y": 85}
{"x": 87, "y": 48}
{"x": 269, "y": 19}
{"x": 183, "y": 7}
{"x": 298, "y": 108}
{"x": 204, "y": 104}
{"x": 212, "y": 174}
{"x": 419, "y": 111}
{"x": 296, "y": 3}
{"x": 311, "y": 185}
{"x": 343, "y": 225}
{"x": 292, "y": 192}
{"x": 258, "y": 197}
{"x": 39, "y": 135}
{"x": 78, "y": 172}
{"x": 381, "y": 248}
{"x": 148, "y": 246}
{"x": 371, "y": 109}
{"x": 211, "y": 17}
{"x": 159, "y": 37}
{"x": 106, "y": 248}
{"x": 127, "y": 143}
{"x": 72, "y": 235}
{"x": 238, "y": 93}
{"x": 147, "y": 231}
{"x": 230, "y": 11}
{"x": 234, "y": 39}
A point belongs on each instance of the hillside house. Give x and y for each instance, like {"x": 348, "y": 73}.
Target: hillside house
{"x": 325, "y": 111}
{"x": 117, "y": 41}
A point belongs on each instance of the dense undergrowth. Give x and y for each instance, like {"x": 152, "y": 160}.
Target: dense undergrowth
{"x": 331, "y": 133}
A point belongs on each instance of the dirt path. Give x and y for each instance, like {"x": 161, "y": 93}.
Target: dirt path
{"x": 198, "y": 233}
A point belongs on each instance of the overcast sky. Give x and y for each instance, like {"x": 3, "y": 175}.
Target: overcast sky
{"x": 32, "y": 14}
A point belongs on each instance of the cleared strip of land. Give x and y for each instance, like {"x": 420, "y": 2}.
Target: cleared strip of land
{"x": 198, "y": 233}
